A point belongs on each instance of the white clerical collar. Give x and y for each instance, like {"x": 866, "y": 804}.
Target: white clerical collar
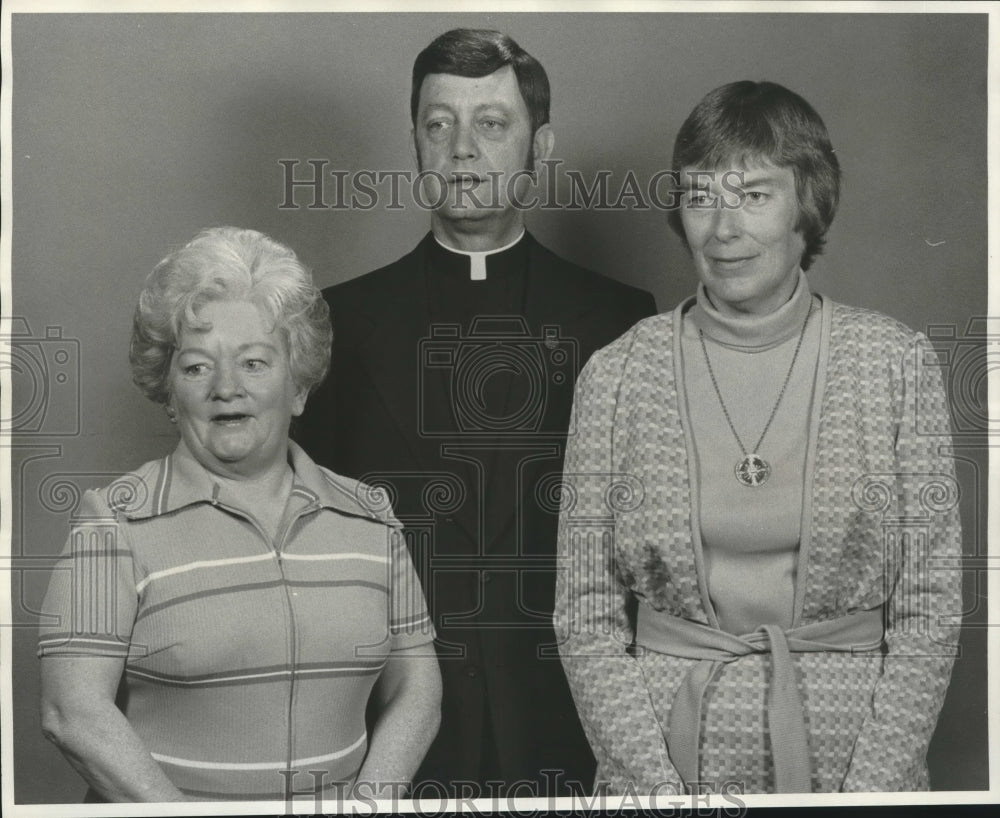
{"x": 477, "y": 259}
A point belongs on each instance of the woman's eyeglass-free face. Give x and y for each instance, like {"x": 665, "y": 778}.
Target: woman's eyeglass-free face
{"x": 232, "y": 390}
{"x": 740, "y": 225}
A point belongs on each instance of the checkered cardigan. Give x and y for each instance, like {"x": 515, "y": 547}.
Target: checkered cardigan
{"x": 880, "y": 514}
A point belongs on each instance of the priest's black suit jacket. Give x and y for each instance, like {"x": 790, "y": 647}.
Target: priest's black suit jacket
{"x": 475, "y": 487}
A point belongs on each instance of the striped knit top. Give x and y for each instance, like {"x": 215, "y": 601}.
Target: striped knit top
{"x": 244, "y": 657}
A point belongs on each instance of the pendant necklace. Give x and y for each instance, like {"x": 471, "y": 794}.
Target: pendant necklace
{"x": 753, "y": 470}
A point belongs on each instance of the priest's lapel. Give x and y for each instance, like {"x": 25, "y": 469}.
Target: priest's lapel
{"x": 539, "y": 397}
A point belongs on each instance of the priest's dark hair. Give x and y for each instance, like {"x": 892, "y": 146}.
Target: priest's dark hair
{"x": 745, "y": 122}
{"x": 477, "y": 52}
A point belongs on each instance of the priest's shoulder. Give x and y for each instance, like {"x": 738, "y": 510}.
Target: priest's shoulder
{"x": 599, "y": 287}
{"x": 393, "y": 274}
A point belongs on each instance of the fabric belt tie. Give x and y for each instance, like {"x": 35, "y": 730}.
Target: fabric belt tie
{"x": 673, "y": 636}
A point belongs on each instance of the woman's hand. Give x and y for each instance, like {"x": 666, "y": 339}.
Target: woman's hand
{"x": 80, "y": 717}
{"x": 407, "y": 698}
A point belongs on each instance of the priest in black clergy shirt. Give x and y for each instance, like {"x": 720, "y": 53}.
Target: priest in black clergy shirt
{"x": 451, "y": 386}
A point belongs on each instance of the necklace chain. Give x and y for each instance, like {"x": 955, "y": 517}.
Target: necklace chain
{"x": 781, "y": 394}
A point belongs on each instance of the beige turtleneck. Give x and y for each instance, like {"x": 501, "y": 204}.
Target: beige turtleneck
{"x": 750, "y": 536}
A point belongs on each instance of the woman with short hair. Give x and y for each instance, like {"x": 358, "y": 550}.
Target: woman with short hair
{"x": 759, "y": 521}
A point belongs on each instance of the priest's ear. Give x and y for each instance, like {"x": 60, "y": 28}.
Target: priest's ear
{"x": 543, "y": 143}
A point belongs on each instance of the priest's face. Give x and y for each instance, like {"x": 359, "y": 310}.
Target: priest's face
{"x": 474, "y": 145}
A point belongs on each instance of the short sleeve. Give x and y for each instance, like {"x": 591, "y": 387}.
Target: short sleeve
{"x": 409, "y": 622}
{"x": 90, "y": 605}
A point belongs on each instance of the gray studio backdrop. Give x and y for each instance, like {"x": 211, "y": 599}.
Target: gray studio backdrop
{"x": 131, "y": 132}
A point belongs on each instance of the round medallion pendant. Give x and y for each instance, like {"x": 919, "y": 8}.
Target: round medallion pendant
{"x": 752, "y": 471}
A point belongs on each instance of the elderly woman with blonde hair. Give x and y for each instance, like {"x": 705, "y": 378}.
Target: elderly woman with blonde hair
{"x": 225, "y": 613}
